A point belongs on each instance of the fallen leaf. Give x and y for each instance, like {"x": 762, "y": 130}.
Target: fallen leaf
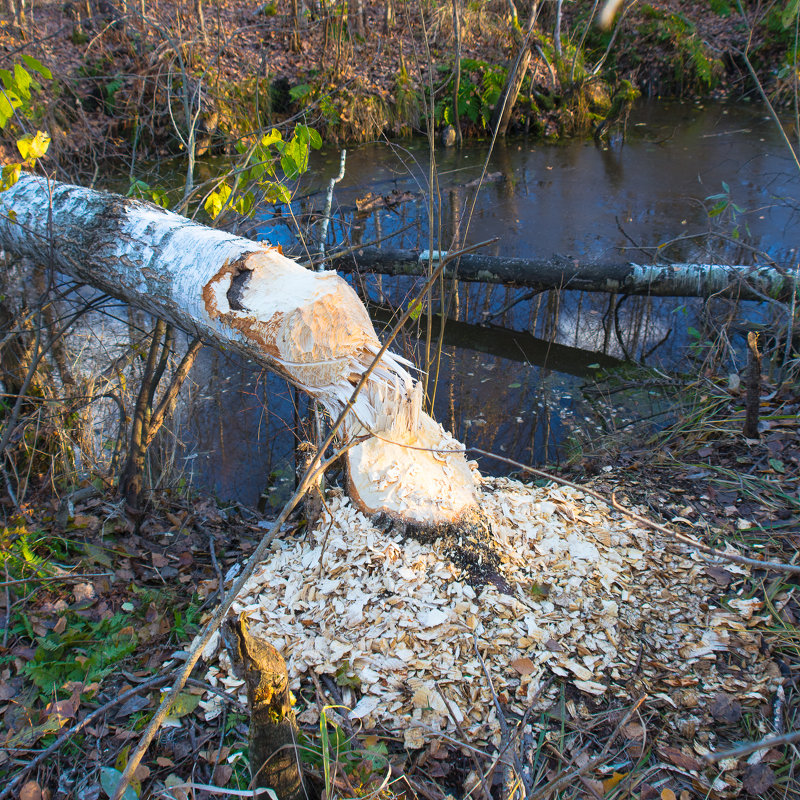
{"x": 757, "y": 779}
{"x": 132, "y": 705}
{"x": 31, "y": 791}
{"x": 726, "y": 710}
{"x": 109, "y": 779}
{"x": 633, "y": 730}
{"x": 679, "y": 758}
{"x": 172, "y": 782}
{"x": 524, "y": 666}
{"x": 159, "y": 560}
{"x": 222, "y": 774}
{"x": 668, "y": 794}
{"x": 62, "y": 710}
{"x": 184, "y": 704}
{"x": 610, "y": 783}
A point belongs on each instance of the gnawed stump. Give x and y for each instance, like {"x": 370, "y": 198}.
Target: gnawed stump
{"x": 274, "y": 760}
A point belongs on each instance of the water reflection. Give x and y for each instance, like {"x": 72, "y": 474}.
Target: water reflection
{"x": 518, "y": 389}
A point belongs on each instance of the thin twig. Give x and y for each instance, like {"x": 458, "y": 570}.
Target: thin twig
{"x": 77, "y": 728}
{"x": 777, "y": 566}
{"x": 746, "y": 749}
{"x": 69, "y": 577}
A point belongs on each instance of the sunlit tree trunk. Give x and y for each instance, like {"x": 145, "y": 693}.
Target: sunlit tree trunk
{"x": 457, "y": 72}
{"x": 557, "y": 32}
{"x": 356, "y": 10}
{"x": 516, "y": 75}
{"x": 296, "y": 25}
{"x": 198, "y": 10}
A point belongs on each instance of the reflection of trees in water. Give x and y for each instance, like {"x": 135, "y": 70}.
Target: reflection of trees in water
{"x": 236, "y": 428}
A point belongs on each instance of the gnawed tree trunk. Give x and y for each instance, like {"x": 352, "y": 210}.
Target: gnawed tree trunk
{"x": 310, "y": 327}
{"x": 658, "y": 280}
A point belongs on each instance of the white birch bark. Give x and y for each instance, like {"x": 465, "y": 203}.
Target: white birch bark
{"x": 309, "y": 327}
{"x": 743, "y": 282}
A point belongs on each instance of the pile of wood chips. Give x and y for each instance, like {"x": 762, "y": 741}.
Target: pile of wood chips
{"x": 613, "y": 609}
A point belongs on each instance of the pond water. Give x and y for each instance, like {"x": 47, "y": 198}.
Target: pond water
{"x": 517, "y": 374}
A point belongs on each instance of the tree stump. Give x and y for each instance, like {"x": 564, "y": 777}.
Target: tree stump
{"x": 274, "y": 760}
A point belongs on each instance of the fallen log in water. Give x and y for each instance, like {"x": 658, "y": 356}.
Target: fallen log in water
{"x": 666, "y": 280}
{"x": 310, "y": 327}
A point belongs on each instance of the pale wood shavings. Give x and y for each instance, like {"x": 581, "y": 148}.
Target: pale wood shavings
{"x": 598, "y": 601}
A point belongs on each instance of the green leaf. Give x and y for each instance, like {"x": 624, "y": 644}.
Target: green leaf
{"x": 138, "y": 189}
{"x": 8, "y": 79}
{"x": 23, "y": 80}
{"x": 514, "y": 385}
{"x": 277, "y": 193}
{"x": 184, "y": 704}
{"x": 37, "y": 66}
{"x": 726, "y": 188}
{"x": 593, "y": 366}
{"x": 416, "y": 310}
{"x": 270, "y": 138}
{"x": 300, "y": 92}
{"x": 216, "y": 201}
{"x": 307, "y": 136}
{"x": 777, "y": 465}
{"x": 33, "y": 147}
{"x": 8, "y": 102}
{"x": 109, "y": 778}
{"x": 10, "y": 173}
{"x": 718, "y": 208}
{"x": 159, "y": 197}
{"x": 693, "y": 332}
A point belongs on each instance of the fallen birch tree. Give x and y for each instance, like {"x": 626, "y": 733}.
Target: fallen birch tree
{"x": 309, "y": 327}
{"x": 665, "y": 280}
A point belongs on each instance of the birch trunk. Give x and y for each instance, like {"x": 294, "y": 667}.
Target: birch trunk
{"x": 752, "y": 282}
{"x": 310, "y": 327}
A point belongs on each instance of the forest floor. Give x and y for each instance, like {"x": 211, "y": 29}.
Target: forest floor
{"x": 101, "y": 616}
{"x": 119, "y": 84}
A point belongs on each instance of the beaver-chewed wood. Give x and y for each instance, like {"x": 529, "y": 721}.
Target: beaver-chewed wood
{"x": 274, "y": 759}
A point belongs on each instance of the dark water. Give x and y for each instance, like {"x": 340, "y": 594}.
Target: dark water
{"x": 514, "y": 389}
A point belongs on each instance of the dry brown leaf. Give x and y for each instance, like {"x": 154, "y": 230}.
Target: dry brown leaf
{"x": 757, "y": 779}
{"x": 679, "y": 758}
{"x": 725, "y": 709}
{"x": 524, "y": 666}
{"x": 30, "y": 791}
{"x": 668, "y": 794}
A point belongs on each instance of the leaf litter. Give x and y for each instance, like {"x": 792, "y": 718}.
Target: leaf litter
{"x": 612, "y": 609}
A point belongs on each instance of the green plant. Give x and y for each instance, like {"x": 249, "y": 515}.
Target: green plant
{"x": 479, "y": 90}
{"x": 724, "y": 206}
{"x": 258, "y": 170}
{"x": 85, "y": 651}
{"x": 16, "y": 98}
{"x": 695, "y": 68}
{"x": 144, "y": 191}
{"x": 186, "y": 621}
